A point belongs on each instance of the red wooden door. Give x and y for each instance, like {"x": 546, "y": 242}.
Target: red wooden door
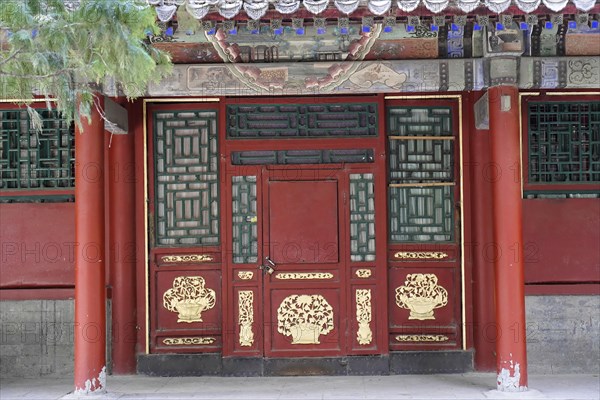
{"x": 304, "y": 311}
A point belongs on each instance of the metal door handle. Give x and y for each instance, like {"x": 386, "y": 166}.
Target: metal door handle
{"x": 269, "y": 268}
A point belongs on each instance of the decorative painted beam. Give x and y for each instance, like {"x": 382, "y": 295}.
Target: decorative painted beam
{"x": 356, "y": 77}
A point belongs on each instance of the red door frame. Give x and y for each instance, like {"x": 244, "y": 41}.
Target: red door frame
{"x": 378, "y": 168}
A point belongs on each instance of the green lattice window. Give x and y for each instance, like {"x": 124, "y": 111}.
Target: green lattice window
{"x": 186, "y": 177}
{"x": 32, "y": 159}
{"x": 564, "y": 142}
{"x": 420, "y": 121}
{"x": 289, "y": 157}
{"x": 362, "y": 217}
{"x": 264, "y": 121}
{"x": 421, "y": 214}
{"x": 244, "y": 219}
{"x": 421, "y": 174}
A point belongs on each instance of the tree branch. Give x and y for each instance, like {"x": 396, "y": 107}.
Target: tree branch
{"x": 28, "y": 76}
{"x": 10, "y": 57}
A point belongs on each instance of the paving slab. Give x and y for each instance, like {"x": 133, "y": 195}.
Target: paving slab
{"x": 471, "y": 386}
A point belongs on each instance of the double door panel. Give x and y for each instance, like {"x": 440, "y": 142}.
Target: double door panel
{"x": 301, "y": 239}
{"x": 300, "y": 284}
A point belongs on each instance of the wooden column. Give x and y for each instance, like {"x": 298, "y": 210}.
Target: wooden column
{"x": 511, "y": 355}
{"x": 482, "y": 246}
{"x": 122, "y": 252}
{"x": 90, "y": 293}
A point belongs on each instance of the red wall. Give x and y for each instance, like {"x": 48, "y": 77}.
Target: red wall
{"x": 562, "y": 240}
{"x": 37, "y": 245}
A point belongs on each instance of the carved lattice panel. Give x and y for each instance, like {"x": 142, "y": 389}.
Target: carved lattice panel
{"x": 187, "y": 176}
{"x": 421, "y": 160}
{"x": 420, "y": 121}
{"x": 287, "y": 157}
{"x": 301, "y": 120}
{"x": 564, "y": 142}
{"x": 35, "y": 160}
{"x": 362, "y": 217}
{"x": 244, "y": 219}
{"x": 421, "y": 214}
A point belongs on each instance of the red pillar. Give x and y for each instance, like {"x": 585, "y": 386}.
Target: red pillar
{"x": 90, "y": 293}
{"x": 122, "y": 252}
{"x": 511, "y": 350}
{"x": 484, "y": 319}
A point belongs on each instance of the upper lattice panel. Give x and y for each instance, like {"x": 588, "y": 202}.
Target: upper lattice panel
{"x": 255, "y": 9}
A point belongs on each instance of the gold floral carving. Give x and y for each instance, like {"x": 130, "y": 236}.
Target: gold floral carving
{"x": 246, "y": 316}
{"x": 420, "y": 255}
{"x": 363, "y": 273}
{"x": 187, "y": 258}
{"x": 304, "y": 275}
{"x": 187, "y": 341}
{"x": 304, "y": 318}
{"x": 189, "y": 298}
{"x": 245, "y": 275}
{"x": 364, "y": 335}
{"x": 421, "y": 295}
{"x": 422, "y": 338}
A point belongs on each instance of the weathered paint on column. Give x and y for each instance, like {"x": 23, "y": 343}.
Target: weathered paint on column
{"x": 122, "y": 252}
{"x": 90, "y": 293}
{"x": 511, "y": 356}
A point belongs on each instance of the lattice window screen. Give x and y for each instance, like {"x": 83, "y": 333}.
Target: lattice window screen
{"x": 31, "y": 159}
{"x": 186, "y": 178}
{"x": 244, "y": 219}
{"x": 421, "y": 174}
{"x": 264, "y": 121}
{"x": 362, "y": 217}
{"x": 564, "y": 142}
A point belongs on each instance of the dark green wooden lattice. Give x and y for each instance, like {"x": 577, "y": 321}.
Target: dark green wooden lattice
{"x": 244, "y": 219}
{"x": 264, "y": 121}
{"x": 421, "y": 160}
{"x": 285, "y": 157}
{"x": 421, "y": 214}
{"x": 186, "y": 178}
{"x": 31, "y": 159}
{"x": 362, "y": 217}
{"x": 564, "y": 142}
{"x": 419, "y": 121}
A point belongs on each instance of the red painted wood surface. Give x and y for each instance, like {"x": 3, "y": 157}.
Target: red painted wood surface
{"x": 482, "y": 237}
{"x": 136, "y": 117}
{"x": 511, "y": 349}
{"x": 121, "y": 215}
{"x": 90, "y": 275}
{"x": 303, "y": 222}
{"x": 37, "y": 242}
{"x": 302, "y": 235}
{"x": 562, "y": 240}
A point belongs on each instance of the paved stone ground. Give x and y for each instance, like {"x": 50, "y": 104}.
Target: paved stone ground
{"x": 456, "y": 386}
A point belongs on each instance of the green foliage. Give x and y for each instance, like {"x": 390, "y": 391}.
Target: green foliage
{"x": 47, "y": 50}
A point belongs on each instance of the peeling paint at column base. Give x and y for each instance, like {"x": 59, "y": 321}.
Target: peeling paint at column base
{"x": 508, "y": 383}
{"x": 94, "y": 385}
